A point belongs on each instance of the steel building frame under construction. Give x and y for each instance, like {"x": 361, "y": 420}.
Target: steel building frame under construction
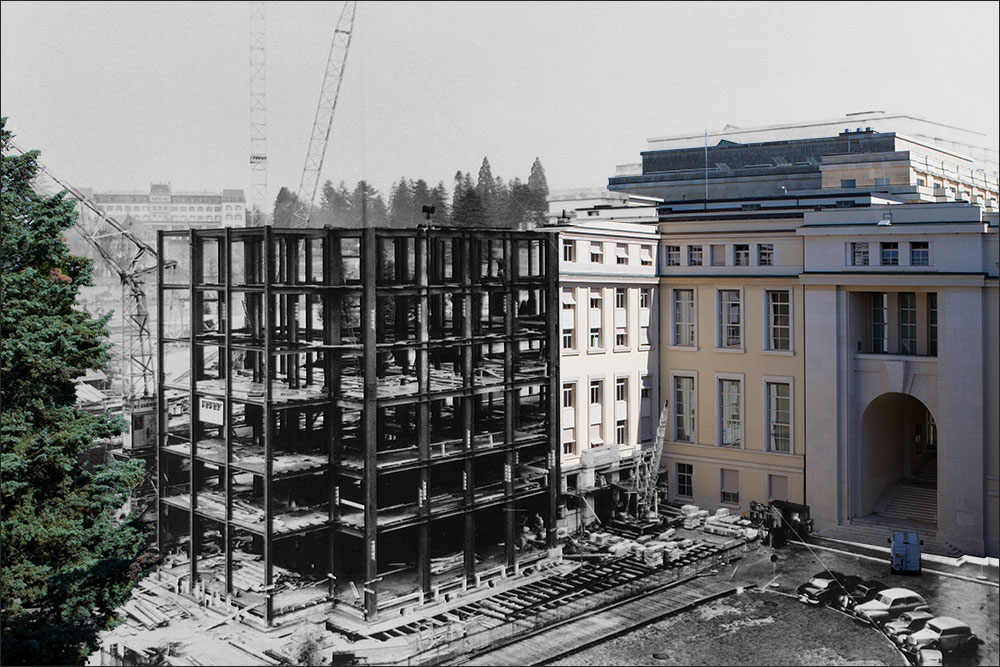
{"x": 365, "y": 418}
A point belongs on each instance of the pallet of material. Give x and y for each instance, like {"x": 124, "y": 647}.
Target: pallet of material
{"x": 445, "y": 563}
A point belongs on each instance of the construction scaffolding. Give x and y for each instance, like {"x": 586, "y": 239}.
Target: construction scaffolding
{"x": 366, "y": 418}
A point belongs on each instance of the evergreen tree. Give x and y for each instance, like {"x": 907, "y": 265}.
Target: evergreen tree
{"x": 539, "y": 193}
{"x": 401, "y": 204}
{"x": 67, "y": 564}
{"x": 486, "y": 189}
{"x": 439, "y": 200}
{"x": 468, "y": 210}
{"x": 285, "y": 205}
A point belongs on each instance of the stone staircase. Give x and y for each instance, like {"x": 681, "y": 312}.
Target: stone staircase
{"x": 877, "y": 531}
{"x": 912, "y": 503}
{"x": 928, "y": 471}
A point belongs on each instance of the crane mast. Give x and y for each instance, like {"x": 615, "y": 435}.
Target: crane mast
{"x": 258, "y": 117}
{"x": 131, "y": 258}
{"x": 332, "y": 79}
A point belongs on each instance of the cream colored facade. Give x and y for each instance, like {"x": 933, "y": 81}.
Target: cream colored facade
{"x": 609, "y": 334}
{"x": 737, "y": 374}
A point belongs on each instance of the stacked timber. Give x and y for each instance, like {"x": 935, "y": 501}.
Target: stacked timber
{"x": 441, "y": 564}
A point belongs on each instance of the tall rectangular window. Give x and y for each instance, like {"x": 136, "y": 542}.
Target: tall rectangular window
{"x": 765, "y": 254}
{"x": 741, "y": 254}
{"x": 673, "y": 255}
{"x": 621, "y": 411}
{"x": 685, "y": 480}
{"x": 729, "y": 486}
{"x": 645, "y": 302}
{"x": 621, "y": 317}
{"x": 569, "y": 418}
{"x": 684, "y": 317}
{"x": 778, "y": 320}
{"x": 569, "y": 395}
{"x": 879, "y": 338}
{"x": 596, "y": 412}
{"x": 645, "y": 408}
{"x": 695, "y": 255}
{"x": 646, "y": 255}
{"x": 621, "y": 253}
{"x": 859, "y": 253}
{"x": 907, "y": 323}
{"x": 596, "y": 318}
{"x": 920, "y": 253}
{"x": 621, "y": 389}
{"x": 890, "y": 253}
{"x": 684, "y": 409}
{"x": 569, "y": 251}
{"x": 621, "y": 432}
{"x": 596, "y": 252}
{"x": 730, "y": 319}
{"x": 932, "y": 317}
{"x": 569, "y": 440}
{"x": 777, "y": 487}
{"x": 779, "y": 417}
{"x": 568, "y": 319}
{"x": 730, "y": 413}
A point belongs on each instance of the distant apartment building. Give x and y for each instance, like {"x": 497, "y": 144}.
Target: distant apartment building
{"x": 825, "y": 329}
{"x": 163, "y": 209}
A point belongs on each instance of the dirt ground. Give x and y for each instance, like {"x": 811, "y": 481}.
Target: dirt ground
{"x": 756, "y": 628}
{"x": 768, "y": 628}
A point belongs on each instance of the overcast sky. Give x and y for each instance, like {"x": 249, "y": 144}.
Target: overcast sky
{"x": 118, "y": 95}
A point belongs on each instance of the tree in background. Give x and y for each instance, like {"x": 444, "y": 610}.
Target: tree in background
{"x": 538, "y": 189}
{"x": 285, "y": 205}
{"x": 67, "y": 563}
{"x": 335, "y": 206}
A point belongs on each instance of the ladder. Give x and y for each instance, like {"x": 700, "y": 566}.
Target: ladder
{"x": 648, "y": 470}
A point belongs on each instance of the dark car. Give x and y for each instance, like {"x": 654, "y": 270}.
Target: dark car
{"x": 945, "y": 634}
{"x": 861, "y": 593}
{"x": 826, "y": 587}
{"x": 908, "y": 623}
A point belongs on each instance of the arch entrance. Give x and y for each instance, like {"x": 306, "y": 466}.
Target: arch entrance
{"x": 897, "y": 480}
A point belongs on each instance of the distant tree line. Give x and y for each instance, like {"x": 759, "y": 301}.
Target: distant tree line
{"x": 490, "y": 201}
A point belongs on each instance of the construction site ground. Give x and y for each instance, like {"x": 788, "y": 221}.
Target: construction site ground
{"x": 767, "y": 626}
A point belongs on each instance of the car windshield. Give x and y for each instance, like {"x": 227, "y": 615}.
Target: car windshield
{"x": 884, "y": 599}
{"x": 820, "y": 583}
{"x": 934, "y": 627}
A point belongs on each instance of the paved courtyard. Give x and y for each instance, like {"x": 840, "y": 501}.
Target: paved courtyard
{"x": 771, "y": 628}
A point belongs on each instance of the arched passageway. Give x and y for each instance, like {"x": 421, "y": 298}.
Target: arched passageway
{"x": 898, "y": 461}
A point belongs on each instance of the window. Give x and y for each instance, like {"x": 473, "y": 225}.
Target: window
{"x": 621, "y": 389}
{"x": 646, "y": 255}
{"x": 765, "y": 254}
{"x": 596, "y": 412}
{"x": 777, "y": 487}
{"x": 569, "y": 395}
{"x": 731, "y": 327}
{"x": 596, "y": 252}
{"x": 907, "y": 323}
{"x": 695, "y": 255}
{"x": 778, "y": 320}
{"x": 621, "y": 432}
{"x": 729, "y": 486}
{"x": 645, "y": 299}
{"x": 673, "y": 255}
{"x": 684, "y": 409}
{"x": 645, "y": 408}
{"x": 730, "y": 413}
{"x": 779, "y": 416}
{"x": 621, "y": 254}
{"x": 890, "y": 254}
{"x": 568, "y": 319}
{"x": 848, "y": 183}
{"x": 684, "y": 317}
{"x": 920, "y": 181}
{"x": 879, "y": 308}
{"x": 881, "y": 182}
{"x": 920, "y": 253}
{"x": 685, "y": 480}
{"x": 718, "y": 254}
{"x": 569, "y": 251}
{"x": 859, "y": 253}
{"x": 569, "y": 440}
{"x": 741, "y": 254}
{"x": 932, "y": 315}
{"x": 621, "y": 317}
{"x": 596, "y": 318}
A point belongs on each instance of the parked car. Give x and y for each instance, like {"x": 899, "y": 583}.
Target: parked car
{"x": 907, "y": 623}
{"x": 889, "y": 604}
{"x": 930, "y": 657}
{"x": 860, "y": 594}
{"x": 826, "y": 587}
{"x": 945, "y": 634}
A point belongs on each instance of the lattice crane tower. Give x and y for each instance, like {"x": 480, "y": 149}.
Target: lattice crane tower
{"x": 258, "y": 118}
{"x": 324, "y": 114}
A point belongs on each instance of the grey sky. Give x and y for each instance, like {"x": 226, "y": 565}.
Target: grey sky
{"x": 118, "y": 95}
